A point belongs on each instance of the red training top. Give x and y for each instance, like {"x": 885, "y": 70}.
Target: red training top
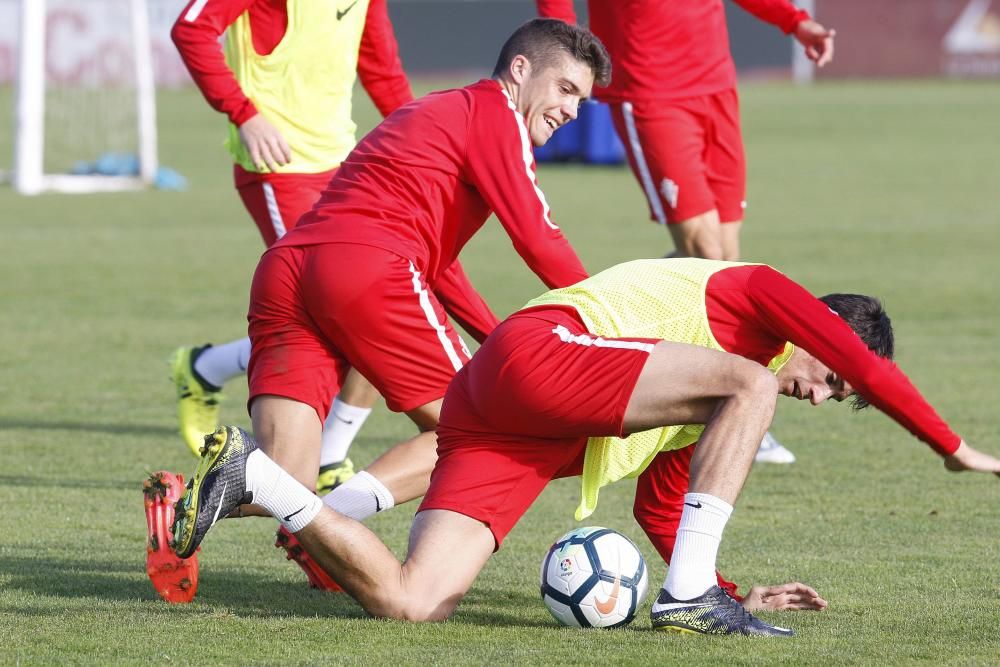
{"x": 669, "y": 50}
{"x": 196, "y": 35}
{"x": 426, "y": 179}
{"x": 752, "y": 311}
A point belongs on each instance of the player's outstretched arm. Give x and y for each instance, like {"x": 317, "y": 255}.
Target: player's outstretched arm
{"x": 268, "y": 149}
{"x": 966, "y": 458}
{"x": 793, "y": 595}
{"x": 817, "y": 40}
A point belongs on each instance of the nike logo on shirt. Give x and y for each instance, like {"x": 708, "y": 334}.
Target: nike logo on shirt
{"x": 342, "y": 14}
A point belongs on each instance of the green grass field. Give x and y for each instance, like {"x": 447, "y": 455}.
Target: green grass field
{"x": 887, "y": 188}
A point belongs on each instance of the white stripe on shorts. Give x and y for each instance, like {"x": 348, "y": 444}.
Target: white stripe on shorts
{"x": 273, "y": 211}
{"x": 640, "y": 161}
{"x": 596, "y": 341}
{"x": 442, "y": 333}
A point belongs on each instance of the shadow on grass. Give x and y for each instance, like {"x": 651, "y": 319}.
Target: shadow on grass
{"x": 66, "y": 483}
{"x": 229, "y": 591}
{"x": 487, "y": 608}
{"x": 89, "y": 427}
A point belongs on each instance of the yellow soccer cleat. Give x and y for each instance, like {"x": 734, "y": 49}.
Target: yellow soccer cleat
{"x": 333, "y": 475}
{"x": 197, "y": 401}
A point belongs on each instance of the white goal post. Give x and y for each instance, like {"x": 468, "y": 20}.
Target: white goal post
{"x": 33, "y": 92}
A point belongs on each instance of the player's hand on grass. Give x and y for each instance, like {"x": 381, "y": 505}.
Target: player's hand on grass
{"x": 268, "y": 149}
{"x": 967, "y": 458}
{"x": 817, "y": 40}
{"x": 793, "y": 595}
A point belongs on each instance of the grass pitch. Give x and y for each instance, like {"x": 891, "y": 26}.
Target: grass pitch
{"x": 886, "y": 189}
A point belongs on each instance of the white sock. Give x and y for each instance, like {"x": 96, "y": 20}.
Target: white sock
{"x": 692, "y": 565}
{"x": 360, "y": 497}
{"x": 279, "y": 493}
{"x": 221, "y": 363}
{"x": 340, "y": 429}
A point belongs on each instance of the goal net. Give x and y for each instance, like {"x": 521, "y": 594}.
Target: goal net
{"x": 85, "y": 106}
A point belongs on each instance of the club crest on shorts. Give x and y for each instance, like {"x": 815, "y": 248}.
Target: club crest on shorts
{"x": 669, "y": 190}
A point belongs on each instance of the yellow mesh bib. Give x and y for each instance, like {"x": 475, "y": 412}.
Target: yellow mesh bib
{"x": 304, "y": 86}
{"x": 650, "y": 298}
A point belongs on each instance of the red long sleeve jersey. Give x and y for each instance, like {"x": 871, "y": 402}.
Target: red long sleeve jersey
{"x": 198, "y": 28}
{"x": 426, "y": 179}
{"x": 669, "y": 49}
{"x": 752, "y": 311}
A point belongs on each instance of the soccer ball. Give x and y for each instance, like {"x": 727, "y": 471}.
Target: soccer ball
{"x": 594, "y": 578}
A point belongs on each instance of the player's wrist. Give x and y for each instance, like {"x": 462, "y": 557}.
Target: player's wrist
{"x": 245, "y": 112}
{"x": 795, "y": 22}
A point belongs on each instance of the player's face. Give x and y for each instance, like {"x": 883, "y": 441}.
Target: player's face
{"x": 806, "y": 378}
{"x": 549, "y": 98}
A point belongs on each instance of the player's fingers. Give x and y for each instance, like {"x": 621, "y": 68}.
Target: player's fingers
{"x": 255, "y": 155}
{"x": 827, "y": 54}
{"x": 274, "y": 146}
{"x": 792, "y": 587}
{"x": 266, "y": 159}
{"x": 795, "y": 602}
{"x": 285, "y": 149}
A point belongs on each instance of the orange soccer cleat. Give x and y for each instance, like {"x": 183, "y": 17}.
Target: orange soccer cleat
{"x": 175, "y": 579}
{"x": 318, "y": 578}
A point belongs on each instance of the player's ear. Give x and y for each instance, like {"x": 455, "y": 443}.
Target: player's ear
{"x": 520, "y": 69}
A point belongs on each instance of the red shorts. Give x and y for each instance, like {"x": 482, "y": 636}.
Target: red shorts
{"x": 519, "y": 414}
{"x": 277, "y": 201}
{"x": 687, "y": 155}
{"x": 316, "y": 309}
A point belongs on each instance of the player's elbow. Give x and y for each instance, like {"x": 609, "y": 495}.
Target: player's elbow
{"x": 182, "y": 35}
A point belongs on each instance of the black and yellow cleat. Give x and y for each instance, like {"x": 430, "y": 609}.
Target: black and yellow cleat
{"x": 711, "y": 613}
{"x": 217, "y": 488}
{"x": 333, "y": 475}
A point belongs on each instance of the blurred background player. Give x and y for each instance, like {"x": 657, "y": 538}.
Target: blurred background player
{"x": 675, "y": 106}
{"x": 285, "y": 83}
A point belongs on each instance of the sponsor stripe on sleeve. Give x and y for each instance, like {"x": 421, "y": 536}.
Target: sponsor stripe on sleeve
{"x": 529, "y": 159}
{"x": 194, "y": 11}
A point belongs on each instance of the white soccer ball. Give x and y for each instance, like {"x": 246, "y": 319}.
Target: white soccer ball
{"x": 594, "y": 578}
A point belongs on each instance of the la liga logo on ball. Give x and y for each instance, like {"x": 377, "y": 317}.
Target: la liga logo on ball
{"x": 593, "y": 578}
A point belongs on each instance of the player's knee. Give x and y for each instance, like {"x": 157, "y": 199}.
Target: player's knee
{"x": 706, "y": 248}
{"x": 758, "y": 383}
{"x": 646, "y": 517}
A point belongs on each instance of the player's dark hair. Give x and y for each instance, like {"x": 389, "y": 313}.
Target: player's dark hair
{"x": 541, "y": 40}
{"x": 869, "y": 320}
